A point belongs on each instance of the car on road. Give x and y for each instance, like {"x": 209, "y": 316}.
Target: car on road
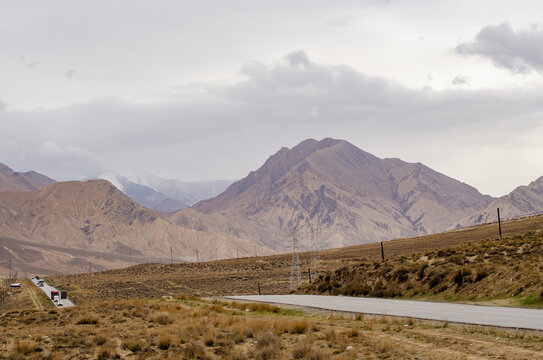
{"x": 16, "y": 285}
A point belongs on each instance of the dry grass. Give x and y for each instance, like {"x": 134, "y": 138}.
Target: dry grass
{"x": 204, "y": 329}
{"x": 476, "y": 268}
{"x": 25, "y": 346}
{"x": 162, "y": 318}
{"x": 87, "y": 320}
{"x": 499, "y": 271}
{"x": 133, "y": 344}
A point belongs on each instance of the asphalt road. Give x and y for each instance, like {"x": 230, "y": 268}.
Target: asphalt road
{"x": 46, "y": 288}
{"x": 469, "y": 314}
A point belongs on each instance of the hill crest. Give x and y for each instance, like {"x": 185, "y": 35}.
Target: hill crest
{"x": 352, "y": 196}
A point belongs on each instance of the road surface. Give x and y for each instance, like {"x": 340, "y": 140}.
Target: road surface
{"x": 46, "y": 288}
{"x": 469, "y": 314}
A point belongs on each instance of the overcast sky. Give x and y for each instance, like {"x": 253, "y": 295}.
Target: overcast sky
{"x": 203, "y": 90}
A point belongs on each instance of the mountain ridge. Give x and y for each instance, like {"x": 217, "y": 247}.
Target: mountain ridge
{"x": 353, "y": 196}
{"x": 164, "y": 195}
{"x": 95, "y": 215}
{"x": 522, "y": 201}
{"x": 18, "y": 181}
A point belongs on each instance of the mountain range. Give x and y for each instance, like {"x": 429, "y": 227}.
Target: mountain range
{"x": 96, "y": 217}
{"x": 164, "y": 195}
{"x": 333, "y": 187}
{"x": 326, "y": 193}
{"x": 523, "y": 201}
{"x": 18, "y": 181}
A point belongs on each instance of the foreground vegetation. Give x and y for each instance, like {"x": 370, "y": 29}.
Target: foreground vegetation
{"x": 506, "y": 272}
{"x": 136, "y": 312}
{"x": 193, "y": 328}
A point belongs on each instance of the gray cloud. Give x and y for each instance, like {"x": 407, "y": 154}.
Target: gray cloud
{"x": 340, "y": 21}
{"x": 69, "y": 73}
{"x": 29, "y": 63}
{"x": 518, "y": 51}
{"x": 460, "y": 80}
{"x": 226, "y": 130}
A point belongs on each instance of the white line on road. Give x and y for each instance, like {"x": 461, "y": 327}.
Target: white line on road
{"x": 461, "y": 313}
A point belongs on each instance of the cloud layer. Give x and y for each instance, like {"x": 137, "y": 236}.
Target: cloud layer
{"x": 224, "y": 131}
{"x": 518, "y": 51}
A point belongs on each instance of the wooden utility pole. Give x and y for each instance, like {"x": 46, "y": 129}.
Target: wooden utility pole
{"x": 171, "y": 255}
{"x": 382, "y": 252}
{"x": 499, "y": 223}
{"x": 130, "y": 255}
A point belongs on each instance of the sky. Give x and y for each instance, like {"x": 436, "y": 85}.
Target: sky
{"x": 206, "y": 90}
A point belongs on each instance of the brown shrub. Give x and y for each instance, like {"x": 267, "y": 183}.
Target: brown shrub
{"x": 100, "y": 340}
{"x": 164, "y": 341}
{"x": 26, "y": 346}
{"x": 319, "y": 354}
{"x": 194, "y": 351}
{"x": 87, "y": 320}
{"x": 162, "y": 318}
{"x": 299, "y": 327}
{"x": 106, "y": 352}
{"x": 132, "y": 344}
{"x": 300, "y": 351}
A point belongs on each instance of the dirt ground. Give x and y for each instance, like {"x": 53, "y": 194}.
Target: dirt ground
{"x": 191, "y": 328}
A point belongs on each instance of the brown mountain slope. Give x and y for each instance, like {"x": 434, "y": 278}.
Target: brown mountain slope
{"x": 95, "y": 216}
{"x": 524, "y": 200}
{"x": 351, "y": 195}
{"x": 31, "y": 180}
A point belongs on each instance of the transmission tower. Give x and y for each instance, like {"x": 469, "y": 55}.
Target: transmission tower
{"x": 313, "y": 266}
{"x": 295, "y": 274}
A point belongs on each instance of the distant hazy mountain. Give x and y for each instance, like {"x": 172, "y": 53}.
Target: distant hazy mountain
{"x": 523, "y": 201}
{"x": 188, "y": 192}
{"x": 95, "y": 216}
{"x": 31, "y": 180}
{"x": 166, "y": 195}
{"x": 351, "y": 195}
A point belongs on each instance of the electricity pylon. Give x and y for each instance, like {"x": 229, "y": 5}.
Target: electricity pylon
{"x": 295, "y": 274}
{"x": 313, "y": 266}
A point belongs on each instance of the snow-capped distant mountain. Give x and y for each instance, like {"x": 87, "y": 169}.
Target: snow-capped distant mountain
{"x": 184, "y": 191}
{"x": 164, "y": 194}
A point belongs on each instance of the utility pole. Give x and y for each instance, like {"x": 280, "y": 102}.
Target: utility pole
{"x": 171, "y": 254}
{"x": 382, "y": 252}
{"x": 499, "y": 223}
{"x": 130, "y": 255}
{"x": 237, "y": 253}
{"x": 197, "y": 259}
{"x": 256, "y": 254}
{"x": 9, "y": 277}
